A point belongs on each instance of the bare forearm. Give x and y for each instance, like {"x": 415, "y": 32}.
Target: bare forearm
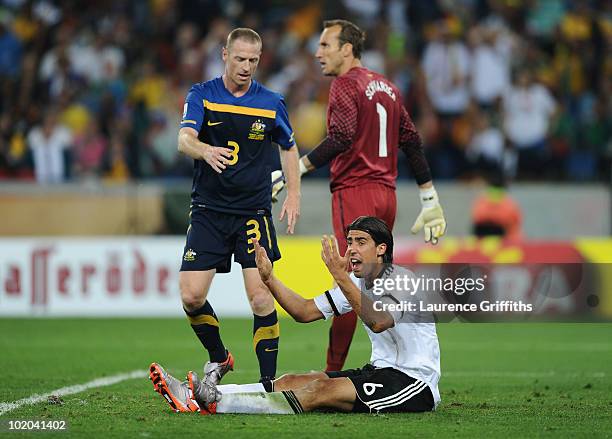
{"x": 290, "y": 160}
{"x": 377, "y": 321}
{"x": 191, "y": 146}
{"x": 302, "y": 310}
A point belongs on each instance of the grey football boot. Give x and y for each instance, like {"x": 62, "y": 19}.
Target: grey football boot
{"x": 213, "y": 372}
{"x": 205, "y": 395}
{"x": 175, "y": 392}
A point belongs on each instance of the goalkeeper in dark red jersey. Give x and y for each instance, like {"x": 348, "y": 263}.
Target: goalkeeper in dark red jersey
{"x": 366, "y": 125}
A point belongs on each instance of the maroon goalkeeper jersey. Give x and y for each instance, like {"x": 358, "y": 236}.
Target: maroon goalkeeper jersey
{"x": 366, "y": 107}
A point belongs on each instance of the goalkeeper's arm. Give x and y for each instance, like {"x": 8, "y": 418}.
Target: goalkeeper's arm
{"x": 431, "y": 218}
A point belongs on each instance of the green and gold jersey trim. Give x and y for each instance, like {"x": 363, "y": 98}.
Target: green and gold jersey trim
{"x": 235, "y": 109}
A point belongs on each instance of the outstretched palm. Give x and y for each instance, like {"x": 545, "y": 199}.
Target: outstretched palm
{"x": 263, "y": 262}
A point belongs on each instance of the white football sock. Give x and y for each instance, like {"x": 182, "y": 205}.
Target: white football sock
{"x": 276, "y": 403}
{"x": 240, "y": 388}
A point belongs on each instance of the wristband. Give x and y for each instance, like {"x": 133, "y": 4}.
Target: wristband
{"x": 428, "y": 197}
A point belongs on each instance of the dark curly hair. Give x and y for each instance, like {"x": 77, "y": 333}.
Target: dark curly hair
{"x": 378, "y": 230}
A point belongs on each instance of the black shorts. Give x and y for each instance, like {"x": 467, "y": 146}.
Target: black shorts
{"x": 213, "y": 237}
{"x": 387, "y": 390}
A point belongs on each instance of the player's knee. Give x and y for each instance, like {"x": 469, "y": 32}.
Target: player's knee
{"x": 192, "y": 302}
{"x": 286, "y": 381}
{"x": 291, "y": 381}
{"x": 261, "y": 301}
{"x": 191, "y": 297}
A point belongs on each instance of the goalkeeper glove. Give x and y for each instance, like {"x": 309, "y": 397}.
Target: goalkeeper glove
{"x": 431, "y": 219}
{"x": 278, "y": 183}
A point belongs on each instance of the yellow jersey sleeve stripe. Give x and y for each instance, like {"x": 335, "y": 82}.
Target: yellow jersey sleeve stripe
{"x": 189, "y": 121}
{"x": 249, "y": 111}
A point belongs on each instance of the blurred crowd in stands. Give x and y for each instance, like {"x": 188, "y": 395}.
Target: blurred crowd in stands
{"x": 94, "y": 90}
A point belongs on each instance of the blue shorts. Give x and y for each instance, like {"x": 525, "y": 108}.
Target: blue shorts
{"x": 214, "y": 236}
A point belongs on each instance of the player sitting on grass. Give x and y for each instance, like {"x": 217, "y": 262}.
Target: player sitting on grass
{"x": 404, "y": 367}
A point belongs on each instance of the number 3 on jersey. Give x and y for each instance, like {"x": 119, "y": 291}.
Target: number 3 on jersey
{"x": 254, "y": 232}
{"x": 382, "y": 130}
{"x": 234, "y": 154}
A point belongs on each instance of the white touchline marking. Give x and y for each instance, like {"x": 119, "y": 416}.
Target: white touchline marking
{"x": 6, "y": 407}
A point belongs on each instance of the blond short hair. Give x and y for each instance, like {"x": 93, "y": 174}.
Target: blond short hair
{"x": 243, "y": 33}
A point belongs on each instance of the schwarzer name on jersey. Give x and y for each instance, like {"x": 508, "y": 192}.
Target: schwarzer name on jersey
{"x": 376, "y": 86}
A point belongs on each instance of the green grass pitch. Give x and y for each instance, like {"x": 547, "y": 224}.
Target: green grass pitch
{"x": 498, "y": 380}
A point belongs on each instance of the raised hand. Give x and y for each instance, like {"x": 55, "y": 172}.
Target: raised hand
{"x": 336, "y": 264}
{"x": 263, "y": 262}
{"x": 291, "y": 207}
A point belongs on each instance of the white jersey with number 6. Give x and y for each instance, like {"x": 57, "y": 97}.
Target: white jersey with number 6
{"x": 411, "y": 348}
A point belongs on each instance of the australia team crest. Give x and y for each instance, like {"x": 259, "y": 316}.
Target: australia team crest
{"x": 189, "y": 256}
{"x": 257, "y": 130}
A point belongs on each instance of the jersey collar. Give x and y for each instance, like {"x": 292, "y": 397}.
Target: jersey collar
{"x": 229, "y": 94}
